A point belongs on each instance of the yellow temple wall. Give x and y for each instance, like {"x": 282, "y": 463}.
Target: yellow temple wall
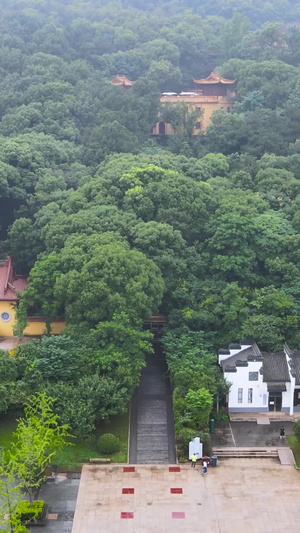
{"x": 38, "y": 327}
{"x": 35, "y": 326}
{"x": 209, "y": 109}
{"x": 201, "y": 102}
{"x": 6, "y": 328}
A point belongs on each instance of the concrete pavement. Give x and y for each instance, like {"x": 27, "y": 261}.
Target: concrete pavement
{"x": 250, "y": 434}
{"x": 239, "y": 496}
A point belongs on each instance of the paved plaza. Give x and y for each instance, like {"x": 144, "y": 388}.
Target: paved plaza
{"x": 251, "y": 433}
{"x": 239, "y": 496}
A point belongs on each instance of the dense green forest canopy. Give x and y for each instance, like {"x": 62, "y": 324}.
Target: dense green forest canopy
{"x": 111, "y": 225}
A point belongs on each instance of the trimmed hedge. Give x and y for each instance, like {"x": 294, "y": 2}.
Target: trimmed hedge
{"x": 28, "y": 513}
{"x": 108, "y": 443}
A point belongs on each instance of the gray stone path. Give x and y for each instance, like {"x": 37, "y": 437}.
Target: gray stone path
{"x": 151, "y": 424}
{"x": 61, "y": 498}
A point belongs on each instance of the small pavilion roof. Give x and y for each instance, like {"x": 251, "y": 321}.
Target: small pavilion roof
{"x": 214, "y": 79}
{"x": 10, "y": 283}
{"x": 123, "y": 81}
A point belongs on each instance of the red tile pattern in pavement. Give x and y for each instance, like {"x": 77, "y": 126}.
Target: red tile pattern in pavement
{"x": 128, "y": 469}
{"x": 127, "y": 491}
{"x": 269, "y": 500}
{"x": 177, "y": 514}
{"x": 174, "y": 468}
{"x": 127, "y": 515}
{"x": 176, "y": 490}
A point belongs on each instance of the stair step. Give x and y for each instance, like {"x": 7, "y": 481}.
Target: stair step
{"x": 245, "y": 452}
{"x": 249, "y": 454}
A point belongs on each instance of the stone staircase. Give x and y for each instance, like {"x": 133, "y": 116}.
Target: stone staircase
{"x": 224, "y": 453}
{"x": 151, "y": 425}
{"x": 234, "y": 417}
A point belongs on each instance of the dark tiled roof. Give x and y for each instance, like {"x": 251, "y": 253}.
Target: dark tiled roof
{"x": 241, "y": 363}
{"x": 248, "y": 354}
{"x": 230, "y": 369}
{"x": 276, "y": 387}
{"x": 275, "y": 367}
{"x": 224, "y": 351}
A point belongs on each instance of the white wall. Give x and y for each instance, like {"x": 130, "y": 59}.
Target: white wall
{"x": 286, "y": 395}
{"x": 240, "y": 380}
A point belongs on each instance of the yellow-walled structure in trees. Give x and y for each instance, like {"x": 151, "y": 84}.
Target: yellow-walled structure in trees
{"x": 210, "y": 94}
{"x": 10, "y": 285}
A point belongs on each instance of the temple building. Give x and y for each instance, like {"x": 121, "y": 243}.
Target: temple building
{"x": 209, "y": 95}
{"x": 10, "y": 285}
{"x": 122, "y": 81}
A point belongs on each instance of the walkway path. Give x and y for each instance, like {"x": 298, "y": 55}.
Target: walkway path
{"x": 151, "y": 425}
{"x": 251, "y": 434}
{"x": 61, "y": 497}
{"x": 286, "y": 456}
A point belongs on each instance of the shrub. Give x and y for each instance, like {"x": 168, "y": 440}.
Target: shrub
{"x": 28, "y": 513}
{"x": 220, "y": 416}
{"x": 184, "y": 436}
{"x": 21, "y": 529}
{"x": 206, "y": 441}
{"x": 296, "y": 429}
{"x": 108, "y": 443}
{"x": 198, "y": 404}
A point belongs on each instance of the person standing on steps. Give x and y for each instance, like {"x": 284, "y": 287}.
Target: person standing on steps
{"x": 282, "y": 433}
{"x": 204, "y": 469}
{"x": 194, "y": 460}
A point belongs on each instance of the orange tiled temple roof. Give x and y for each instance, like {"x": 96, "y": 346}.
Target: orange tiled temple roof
{"x": 213, "y": 79}
{"x": 122, "y": 80}
{"x": 10, "y": 283}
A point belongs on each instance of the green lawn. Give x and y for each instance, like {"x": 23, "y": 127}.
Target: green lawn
{"x": 72, "y": 457}
{"x": 295, "y": 445}
{"x": 8, "y": 424}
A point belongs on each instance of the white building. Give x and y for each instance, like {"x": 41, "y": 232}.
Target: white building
{"x": 261, "y": 382}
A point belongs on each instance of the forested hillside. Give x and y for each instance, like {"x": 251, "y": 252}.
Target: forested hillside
{"x": 112, "y": 225}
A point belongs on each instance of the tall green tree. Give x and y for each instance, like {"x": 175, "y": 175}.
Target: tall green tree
{"x": 37, "y": 438}
{"x": 10, "y": 497}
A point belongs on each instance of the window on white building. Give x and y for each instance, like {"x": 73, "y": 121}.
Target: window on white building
{"x": 264, "y": 399}
{"x": 240, "y": 395}
{"x": 250, "y": 395}
{"x": 253, "y": 376}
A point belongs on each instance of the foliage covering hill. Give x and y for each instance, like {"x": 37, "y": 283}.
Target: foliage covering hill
{"x": 113, "y": 226}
